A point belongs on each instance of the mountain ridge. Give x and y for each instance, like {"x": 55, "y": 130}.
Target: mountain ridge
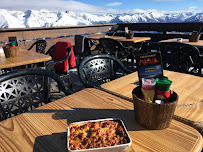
{"x": 46, "y": 18}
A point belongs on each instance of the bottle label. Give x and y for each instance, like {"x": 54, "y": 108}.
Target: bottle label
{"x": 162, "y": 95}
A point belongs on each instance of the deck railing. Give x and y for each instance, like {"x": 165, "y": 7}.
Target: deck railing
{"x": 157, "y": 31}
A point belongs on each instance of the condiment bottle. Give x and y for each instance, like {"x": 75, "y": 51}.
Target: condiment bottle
{"x": 163, "y": 89}
{"x": 126, "y": 30}
{"x": 12, "y": 44}
{"x": 148, "y": 89}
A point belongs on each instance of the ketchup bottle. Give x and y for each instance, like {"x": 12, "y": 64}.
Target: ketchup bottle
{"x": 163, "y": 91}
{"x": 12, "y": 44}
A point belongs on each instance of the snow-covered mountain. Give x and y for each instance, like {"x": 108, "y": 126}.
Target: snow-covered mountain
{"x": 45, "y": 18}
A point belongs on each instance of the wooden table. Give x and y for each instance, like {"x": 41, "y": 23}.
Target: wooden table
{"x": 197, "y": 44}
{"x": 188, "y": 87}
{"x": 44, "y": 129}
{"x": 25, "y": 57}
{"x": 120, "y": 38}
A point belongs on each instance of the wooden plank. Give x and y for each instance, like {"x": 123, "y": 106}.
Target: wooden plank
{"x": 44, "y": 129}
{"x": 25, "y": 57}
{"x": 120, "y": 38}
{"x": 180, "y": 85}
{"x": 54, "y": 27}
{"x": 29, "y": 35}
{"x": 4, "y": 36}
{"x": 134, "y": 39}
{"x": 162, "y": 27}
{"x": 188, "y": 87}
{"x": 50, "y": 42}
{"x": 198, "y": 44}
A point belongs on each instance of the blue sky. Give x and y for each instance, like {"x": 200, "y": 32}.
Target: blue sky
{"x": 163, "y": 5}
{"x": 103, "y": 6}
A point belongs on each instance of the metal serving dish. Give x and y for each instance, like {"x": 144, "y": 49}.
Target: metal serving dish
{"x": 116, "y": 148}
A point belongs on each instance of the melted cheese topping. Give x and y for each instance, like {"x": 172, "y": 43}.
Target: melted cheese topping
{"x": 96, "y": 134}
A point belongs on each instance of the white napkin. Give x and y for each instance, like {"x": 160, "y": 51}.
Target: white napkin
{"x": 1, "y": 50}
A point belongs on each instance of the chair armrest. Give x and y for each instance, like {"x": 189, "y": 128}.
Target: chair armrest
{"x": 50, "y": 50}
{"x": 31, "y": 46}
{"x": 51, "y": 64}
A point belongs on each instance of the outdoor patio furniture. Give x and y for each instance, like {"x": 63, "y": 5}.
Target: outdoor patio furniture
{"x": 188, "y": 87}
{"x": 63, "y": 58}
{"x": 198, "y": 44}
{"x": 147, "y": 47}
{"x": 116, "y": 48}
{"x": 83, "y": 46}
{"x": 113, "y": 47}
{"x": 95, "y": 70}
{"x": 26, "y": 89}
{"x": 181, "y": 57}
{"x": 25, "y": 57}
{"x": 45, "y": 128}
{"x": 40, "y": 46}
{"x": 113, "y": 30}
{"x": 51, "y": 51}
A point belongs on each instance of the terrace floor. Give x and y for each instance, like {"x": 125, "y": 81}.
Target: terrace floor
{"x": 77, "y": 85}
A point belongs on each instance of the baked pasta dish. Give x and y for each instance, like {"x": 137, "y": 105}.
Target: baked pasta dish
{"x": 96, "y": 134}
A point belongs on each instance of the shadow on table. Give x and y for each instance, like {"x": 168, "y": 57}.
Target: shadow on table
{"x": 51, "y": 143}
{"x": 56, "y": 142}
{"x": 84, "y": 114}
{"x": 136, "y": 83}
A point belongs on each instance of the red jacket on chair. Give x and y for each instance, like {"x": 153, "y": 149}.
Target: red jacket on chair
{"x": 60, "y": 53}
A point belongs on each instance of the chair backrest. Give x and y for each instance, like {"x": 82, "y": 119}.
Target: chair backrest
{"x": 113, "y": 29}
{"x": 147, "y": 47}
{"x": 40, "y": 46}
{"x": 95, "y": 70}
{"x": 83, "y": 45}
{"x": 51, "y": 51}
{"x": 25, "y": 89}
{"x": 113, "y": 47}
{"x": 178, "y": 56}
{"x": 79, "y": 44}
{"x": 63, "y": 52}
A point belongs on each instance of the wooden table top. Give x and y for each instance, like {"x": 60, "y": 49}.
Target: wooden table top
{"x": 197, "y": 44}
{"x": 188, "y": 87}
{"x": 44, "y": 129}
{"x": 25, "y": 57}
{"x": 121, "y": 38}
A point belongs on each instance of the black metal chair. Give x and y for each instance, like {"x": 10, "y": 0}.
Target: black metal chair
{"x": 26, "y": 89}
{"x": 40, "y": 46}
{"x": 83, "y": 46}
{"x": 113, "y": 30}
{"x": 181, "y": 57}
{"x": 50, "y": 65}
{"x": 148, "y": 47}
{"x": 117, "y": 49}
{"x": 113, "y": 47}
{"x": 51, "y": 51}
{"x": 95, "y": 70}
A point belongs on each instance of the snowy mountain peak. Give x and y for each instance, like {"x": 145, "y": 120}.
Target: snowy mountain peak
{"x": 46, "y": 18}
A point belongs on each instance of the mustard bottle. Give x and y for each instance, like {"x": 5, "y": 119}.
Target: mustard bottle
{"x": 148, "y": 89}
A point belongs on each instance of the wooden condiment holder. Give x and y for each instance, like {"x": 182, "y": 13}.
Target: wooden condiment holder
{"x": 11, "y": 51}
{"x": 152, "y": 115}
{"x": 194, "y": 37}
